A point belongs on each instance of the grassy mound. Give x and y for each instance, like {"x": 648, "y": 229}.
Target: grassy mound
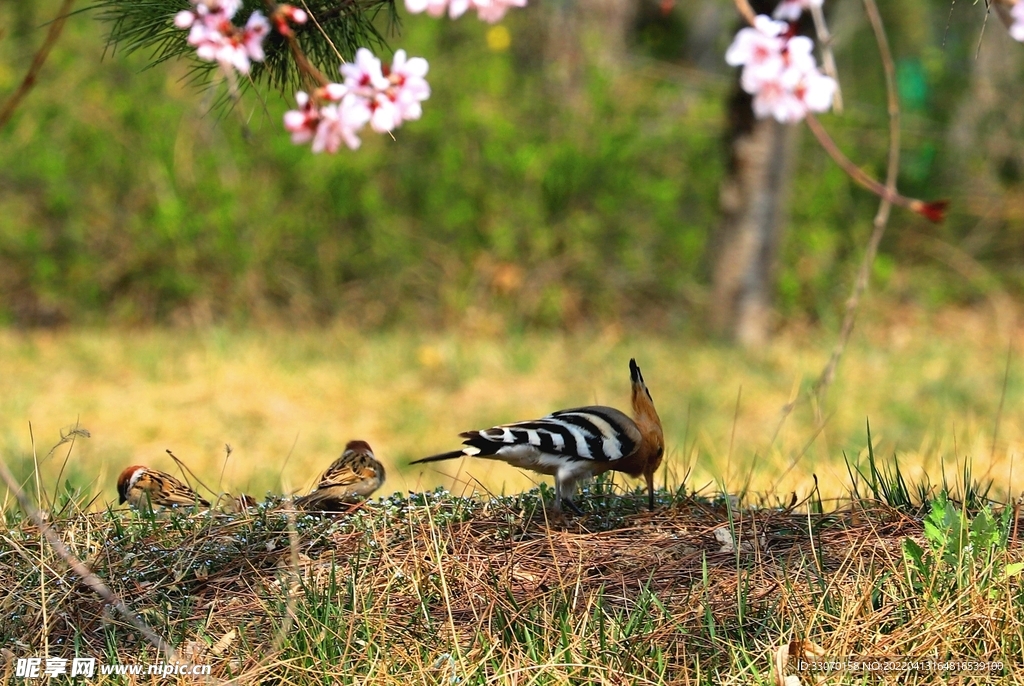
{"x": 436, "y": 588}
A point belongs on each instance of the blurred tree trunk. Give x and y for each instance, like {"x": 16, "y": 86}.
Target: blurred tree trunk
{"x": 754, "y": 199}
{"x": 582, "y": 35}
{"x": 984, "y": 137}
{"x": 985, "y": 132}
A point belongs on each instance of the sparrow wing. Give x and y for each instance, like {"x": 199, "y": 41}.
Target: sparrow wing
{"x": 347, "y": 472}
{"x": 177, "y": 493}
{"x": 350, "y": 476}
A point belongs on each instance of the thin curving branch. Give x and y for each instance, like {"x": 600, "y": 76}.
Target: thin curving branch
{"x": 828, "y": 58}
{"x": 934, "y": 211}
{"x": 27, "y": 83}
{"x": 889, "y": 197}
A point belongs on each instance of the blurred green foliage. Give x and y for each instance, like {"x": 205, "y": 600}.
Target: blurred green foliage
{"x": 127, "y": 196}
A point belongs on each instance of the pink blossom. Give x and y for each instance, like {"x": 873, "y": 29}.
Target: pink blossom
{"x": 211, "y": 45}
{"x": 458, "y": 7}
{"x": 1017, "y": 27}
{"x": 434, "y": 8}
{"x": 334, "y": 91}
{"x": 355, "y": 111}
{"x": 799, "y": 53}
{"x": 216, "y": 39}
{"x": 774, "y": 100}
{"x": 212, "y": 13}
{"x": 214, "y": 46}
{"x": 759, "y": 45}
{"x": 218, "y": 9}
{"x": 184, "y": 19}
{"x": 758, "y": 50}
{"x": 780, "y": 71}
{"x": 302, "y": 123}
{"x": 231, "y": 54}
{"x": 294, "y": 14}
{"x": 488, "y": 10}
{"x": 385, "y": 115}
{"x": 795, "y": 93}
{"x": 364, "y": 74}
{"x": 373, "y": 94}
{"x": 790, "y": 10}
{"x": 409, "y": 87}
{"x": 256, "y": 29}
{"x": 816, "y": 91}
{"x": 333, "y": 130}
{"x": 493, "y": 11}
{"x": 287, "y": 13}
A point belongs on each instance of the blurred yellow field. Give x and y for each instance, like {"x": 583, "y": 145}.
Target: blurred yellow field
{"x": 286, "y": 402}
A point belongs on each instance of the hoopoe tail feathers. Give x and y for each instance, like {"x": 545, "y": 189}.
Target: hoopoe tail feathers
{"x": 443, "y": 456}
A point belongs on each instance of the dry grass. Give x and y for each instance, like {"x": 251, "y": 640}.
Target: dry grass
{"x": 435, "y": 588}
{"x": 931, "y": 386}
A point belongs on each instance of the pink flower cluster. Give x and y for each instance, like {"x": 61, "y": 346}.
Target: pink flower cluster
{"x": 217, "y": 39}
{"x": 780, "y": 71}
{"x": 790, "y": 10}
{"x": 1017, "y": 27}
{"x": 373, "y": 94}
{"x": 489, "y": 10}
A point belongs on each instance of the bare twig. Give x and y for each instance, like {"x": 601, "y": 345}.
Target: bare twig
{"x": 1002, "y": 399}
{"x": 303, "y": 63}
{"x": 744, "y": 8}
{"x": 732, "y": 435}
{"x": 72, "y": 434}
{"x": 888, "y": 194}
{"x": 82, "y": 570}
{"x": 186, "y": 471}
{"x": 27, "y": 83}
{"x": 934, "y": 210}
{"x": 828, "y": 58}
{"x": 323, "y": 33}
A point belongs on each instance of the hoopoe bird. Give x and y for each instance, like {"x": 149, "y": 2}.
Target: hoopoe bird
{"x": 356, "y": 474}
{"x": 142, "y": 488}
{"x": 577, "y": 444}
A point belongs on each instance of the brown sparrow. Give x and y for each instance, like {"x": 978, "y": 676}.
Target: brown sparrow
{"x": 142, "y": 487}
{"x": 237, "y": 504}
{"x": 355, "y": 474}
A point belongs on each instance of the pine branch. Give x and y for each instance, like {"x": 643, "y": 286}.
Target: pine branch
{"x": 339, "y": 27}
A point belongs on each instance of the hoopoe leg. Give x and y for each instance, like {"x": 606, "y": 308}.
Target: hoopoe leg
{"x": 565, "y": 488}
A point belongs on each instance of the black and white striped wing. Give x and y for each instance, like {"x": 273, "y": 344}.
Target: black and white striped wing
{"x": 598, "y": 434}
